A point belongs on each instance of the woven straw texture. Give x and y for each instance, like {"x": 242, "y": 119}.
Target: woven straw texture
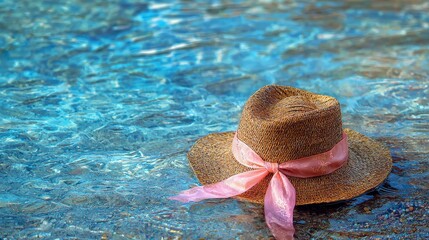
{"x": 285, "y": 123}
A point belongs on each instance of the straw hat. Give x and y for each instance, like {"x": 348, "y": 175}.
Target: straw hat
{"x": 284, "y": 123}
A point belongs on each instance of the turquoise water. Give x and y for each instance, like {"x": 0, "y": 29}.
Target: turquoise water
{"x": 100, "y": 101}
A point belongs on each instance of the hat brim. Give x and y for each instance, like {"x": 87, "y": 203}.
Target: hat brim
{"x": 368, "y": 166}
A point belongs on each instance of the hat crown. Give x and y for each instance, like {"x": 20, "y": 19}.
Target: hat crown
{"x": 284, "y": 123}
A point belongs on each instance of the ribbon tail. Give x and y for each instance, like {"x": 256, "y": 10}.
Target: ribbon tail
{"x": 279, "y": 203}
{"x": 229, "y": 187}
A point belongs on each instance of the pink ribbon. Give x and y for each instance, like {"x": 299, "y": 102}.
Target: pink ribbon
{"x": 279, "y": 200}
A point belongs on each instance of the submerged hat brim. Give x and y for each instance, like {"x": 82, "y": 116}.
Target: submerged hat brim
{"x": 368, "y": 165}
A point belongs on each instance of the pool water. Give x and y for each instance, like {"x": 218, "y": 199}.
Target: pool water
{"x": 101, "y": 100}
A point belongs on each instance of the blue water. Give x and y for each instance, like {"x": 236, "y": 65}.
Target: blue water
{"x": 100, "y": 101}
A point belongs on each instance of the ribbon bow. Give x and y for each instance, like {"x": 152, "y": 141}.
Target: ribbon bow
{"x": 279, "y": 200}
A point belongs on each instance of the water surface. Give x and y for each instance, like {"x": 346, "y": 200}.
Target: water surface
{"x": 100, "y": 101}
